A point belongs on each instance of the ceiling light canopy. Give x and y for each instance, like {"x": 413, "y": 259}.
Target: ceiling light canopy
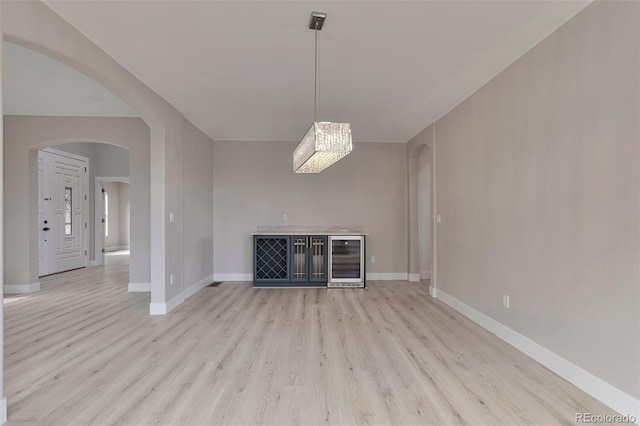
{"x": 325, "y": 142}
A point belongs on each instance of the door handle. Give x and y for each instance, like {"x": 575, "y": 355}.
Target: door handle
{"x": 46, "y": 229}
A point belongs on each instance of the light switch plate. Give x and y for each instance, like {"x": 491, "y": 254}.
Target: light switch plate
{"x": 171, "y": 217}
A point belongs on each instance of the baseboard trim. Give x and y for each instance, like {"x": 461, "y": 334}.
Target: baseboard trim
{"x": 414, "y": 278}
{"x": 21, "y": 288}
{"x": 93, "y": 264}
{"x": 233, "y": 277}
{"x": 165, "y": 308}
{"x": 594, "y": 386}
{"x": 3, "y": 411}
{"x": 139, "y": 287}
{"x": 387, "y": 276}
{"x": 425, "y": 275}
{"x": 196, "y": 287}
{"x": 374, "y": 276}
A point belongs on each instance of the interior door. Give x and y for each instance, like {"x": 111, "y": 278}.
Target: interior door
{"x": 65, "y": 210}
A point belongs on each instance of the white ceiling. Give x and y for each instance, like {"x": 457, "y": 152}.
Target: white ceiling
{"x": 34, "y": 84}
{"x": 244, "y": 70}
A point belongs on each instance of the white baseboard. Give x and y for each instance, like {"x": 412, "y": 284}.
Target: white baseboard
{"x": 594, "y": 386}
{"x": 433, "y": 291}
{"x": 139, "y": 287}
{"x": 21, "y": 288}
{"x": 414, "y": 278}
{"x": 3, "y": 411}
{"x": 387, "y": 276}
{"x": 165, "y": 308}
{"x": 232, "y": 277}
{"x": 93, "y": 263}
{"x": 194, "y": 288}
{"x": 157, "y": 308}
{"x": 374, "y": 276}
{"x": 425, "y": 275}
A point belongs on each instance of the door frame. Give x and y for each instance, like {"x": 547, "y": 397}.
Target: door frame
{"x": 99, "y": 214}
{"x": 85, "y": 184}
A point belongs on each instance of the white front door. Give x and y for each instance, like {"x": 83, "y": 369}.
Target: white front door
{"x": 64, "y": 212}
{"x": 44, "y": 224}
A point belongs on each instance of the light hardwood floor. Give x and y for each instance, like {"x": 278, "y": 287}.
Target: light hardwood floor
{"x": 84, "y": 351}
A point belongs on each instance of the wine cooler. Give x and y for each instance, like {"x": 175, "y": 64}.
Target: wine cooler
{"x": 346, "y": 261}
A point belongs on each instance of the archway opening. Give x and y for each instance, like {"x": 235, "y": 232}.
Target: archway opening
{"x": 424, "y": 215}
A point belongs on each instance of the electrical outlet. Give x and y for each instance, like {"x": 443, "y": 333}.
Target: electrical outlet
{"x": 438, "y": 218}
{"x": 171, "y": 279}
{"x": 171, "y": 217}
{"x": 505, "y": 301}
{"x": 285, "y": 217}
{"x": 373, "y": 259}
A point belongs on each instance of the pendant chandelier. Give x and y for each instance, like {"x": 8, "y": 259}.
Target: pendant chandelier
{"x": 325, "y": 142}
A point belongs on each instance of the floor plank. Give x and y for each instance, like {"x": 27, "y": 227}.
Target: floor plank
{"x": 85, "y": 351}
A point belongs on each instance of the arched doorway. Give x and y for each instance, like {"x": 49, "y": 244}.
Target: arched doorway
{"x": 421, "y": 151}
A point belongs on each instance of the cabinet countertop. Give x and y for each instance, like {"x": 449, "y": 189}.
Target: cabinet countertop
{"x": 308, "y": 230}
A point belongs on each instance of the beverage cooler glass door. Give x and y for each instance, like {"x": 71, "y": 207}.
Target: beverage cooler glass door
{"x": 346, "y": 262}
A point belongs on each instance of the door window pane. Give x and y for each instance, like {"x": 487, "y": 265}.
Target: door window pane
{"x": 68, "y": 210}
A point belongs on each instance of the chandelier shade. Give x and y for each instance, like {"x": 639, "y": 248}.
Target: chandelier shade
{"x": 324, "y": 144}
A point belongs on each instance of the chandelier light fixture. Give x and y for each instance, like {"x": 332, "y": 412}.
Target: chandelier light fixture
{"x": 325, "y": 142}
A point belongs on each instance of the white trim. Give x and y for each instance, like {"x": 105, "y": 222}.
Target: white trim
{"x": 139, "y": 287}
{"x": 92, "y": 264}
{"x": 165, "y": 308}
{"x": 374, "y": 276}
{"x": 65, "y": 154}
{"x": 433, "y": 291}
{"x": 414, "y": 278}
{"x": 387, "y": 276}
{"x": 3, "y": 411}
{"x": 157, "y": 308}
{"x": 594, "y": 386}
{"x": 21, "y": 288}
{"x": 232, "y": 277}
{"x": 425, "y": 275}
{"x": 196, "y": 287}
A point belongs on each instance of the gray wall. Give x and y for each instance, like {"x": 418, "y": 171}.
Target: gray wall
{"x": 104, "y": 161}
{"x": 124, "y": 214}
{"x": 538, "y": 186}
{"x": 198, "y": 206}
{"x": 254, "y": 184}
{"x": 23, "y": 136}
